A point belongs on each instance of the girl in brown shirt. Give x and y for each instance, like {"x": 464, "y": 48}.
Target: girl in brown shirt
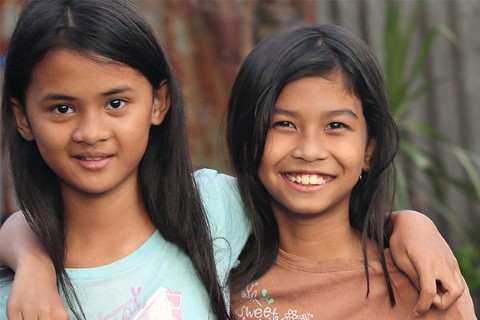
{"x": 312, "y": 142}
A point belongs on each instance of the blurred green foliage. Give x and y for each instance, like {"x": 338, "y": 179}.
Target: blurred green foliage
{"x": 403, "y": 65}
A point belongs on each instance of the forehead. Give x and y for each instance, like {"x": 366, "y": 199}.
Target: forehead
{"x": 66, "y": 69}
{"x": 319, "y": 93}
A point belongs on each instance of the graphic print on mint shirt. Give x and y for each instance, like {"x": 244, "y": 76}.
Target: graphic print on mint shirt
{"x": 164, "y": 304}
{"x": 261, "y": 305}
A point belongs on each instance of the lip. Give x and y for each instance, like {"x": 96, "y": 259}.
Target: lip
{"x": 93, "y": 161}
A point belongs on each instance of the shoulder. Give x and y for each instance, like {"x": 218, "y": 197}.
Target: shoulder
{"x": 209, "y": 180}
{"x": 220, "y": 196}
{"x": 228, "y": 221}
{"x": 222, "y": 201}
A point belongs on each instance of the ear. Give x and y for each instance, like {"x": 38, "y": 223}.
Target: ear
{"x": 161, "y": 104}
{"x": 369, "y": 150}
{"x": 23, "y": 125}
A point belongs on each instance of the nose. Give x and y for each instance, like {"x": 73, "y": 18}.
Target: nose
{"x": 91, "y": 128}
{"x": 310, "y": 146}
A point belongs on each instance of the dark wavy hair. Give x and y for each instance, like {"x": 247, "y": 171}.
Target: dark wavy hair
{"x": 116, "y": 30}
{"x": 289, "y": 55}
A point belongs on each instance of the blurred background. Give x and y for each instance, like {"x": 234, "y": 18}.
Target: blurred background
{"x": 430, "y": 53}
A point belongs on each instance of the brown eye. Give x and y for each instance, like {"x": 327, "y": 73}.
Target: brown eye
{"x": 283, "y": 124}
{"x": 116, "y": 104}
{"x": 335, "y": 125}
{"x": 62, "y": 109}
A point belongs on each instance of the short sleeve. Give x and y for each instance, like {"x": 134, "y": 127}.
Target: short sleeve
{"x": 5, "y": 286}
{"x": 229, "y": 224}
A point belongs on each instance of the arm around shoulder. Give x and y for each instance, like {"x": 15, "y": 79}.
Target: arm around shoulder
{"x": 420, "y": 251}
{"x": 18, "y": 243}
{"x": 34, "y": 293}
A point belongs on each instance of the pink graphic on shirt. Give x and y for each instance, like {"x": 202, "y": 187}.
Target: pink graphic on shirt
{"x": 164, "y": 304}
{"x": 128, "y": 309}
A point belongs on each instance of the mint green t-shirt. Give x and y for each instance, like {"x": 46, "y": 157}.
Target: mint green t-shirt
{"x": 158, "y": 280}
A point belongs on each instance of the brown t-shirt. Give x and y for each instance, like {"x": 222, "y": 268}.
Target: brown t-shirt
{"x": 298, "y": 288}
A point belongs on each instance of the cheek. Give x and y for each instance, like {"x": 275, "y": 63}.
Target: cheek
{"x": 50, "y": 140}
{"x": 267, "y": 160}
{"x": 263, "y": 168}
{"x": 277, "y": 147}
{"x": 52, "y": 150}
{"x": 271, "y": 158}
{"x": 136, "y": 141}
{"x": 353, "y": 154}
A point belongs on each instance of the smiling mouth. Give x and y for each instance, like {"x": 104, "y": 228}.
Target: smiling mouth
{"x": 94, "y": 162}
{"x": 92, "y": 156}
{"x": 308, "y": 179}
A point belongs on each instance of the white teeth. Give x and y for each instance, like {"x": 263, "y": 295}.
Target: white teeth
{"x": 308, "y": 179}
{"x": 305, "y": 180}
{"x": 92, "y": 159}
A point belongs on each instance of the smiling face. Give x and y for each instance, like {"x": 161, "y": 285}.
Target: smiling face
{"x": 90, "y": 120}
{"x": 316, "y": 148}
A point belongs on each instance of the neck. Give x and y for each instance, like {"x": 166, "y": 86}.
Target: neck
{"x": 101, "y": 229}
{"x": 319, "y": 238}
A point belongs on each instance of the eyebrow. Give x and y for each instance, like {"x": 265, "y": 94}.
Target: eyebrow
{"x": 58, "y": 96}
{"x": 278, "y": 110}
{"x": 344, "y": 111}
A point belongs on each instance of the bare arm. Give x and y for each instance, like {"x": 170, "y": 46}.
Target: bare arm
{"x": 34, "y": 293}
{"x": 420, "y": 251}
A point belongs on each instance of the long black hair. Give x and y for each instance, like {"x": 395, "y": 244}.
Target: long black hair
{"x": 289, "y": 55}
{"x": 116, "y": 30}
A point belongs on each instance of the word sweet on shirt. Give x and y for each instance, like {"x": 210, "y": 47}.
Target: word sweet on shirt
{"x": 260, "y": 305}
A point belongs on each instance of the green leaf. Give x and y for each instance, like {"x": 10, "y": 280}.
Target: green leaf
{"x": 422, "y": 55}
{"x": 418, "y": 157}
{"x": 403, "y": 106}
{"x": 402, "y": 199}
{"x": 468, "y": 257}
{"x": 469, "y": 168}
{"x": 404, "y": 64}
{"x": 424, "y": 130}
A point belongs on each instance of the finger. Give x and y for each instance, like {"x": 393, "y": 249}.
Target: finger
{"x": 448, "y": 294}
{"x": 412, "y": 274}
{"x": 13, "y": 312}
{"x": 407, "y": 267}
{"x": 428, "y": 291}
{"x": 460, "y": 280}
{"x": 45, "y": 313}
{"x": 59, "y": 314}
{"x": 28, "y": 312}
{"x": 13, "y": 315}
